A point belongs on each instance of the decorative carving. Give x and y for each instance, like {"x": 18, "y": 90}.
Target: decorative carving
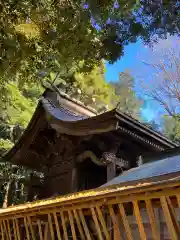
{"x": 92, "y": 156}
{"x": 110, "y": 157}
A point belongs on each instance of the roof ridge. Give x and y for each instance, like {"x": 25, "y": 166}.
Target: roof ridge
{"x": 67, "y": 96}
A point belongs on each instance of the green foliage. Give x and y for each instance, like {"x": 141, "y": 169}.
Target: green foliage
{"x": 90, "y": 88}
{"x": 18, "y": 107}
{"x": 127, "y": 100}
{"x": 172, "y": 127}
{"x": 16, "y": 111}
{"x": 13, "y": 179}
{"x": 5, "y": 145}
{"x": 93, "y": 90}
{"x": 42, "y": 35}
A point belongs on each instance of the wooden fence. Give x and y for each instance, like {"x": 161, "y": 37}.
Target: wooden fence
{"x": 146, "y": 211}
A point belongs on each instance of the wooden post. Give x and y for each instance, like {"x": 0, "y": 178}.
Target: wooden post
{"x": 111, "y": 171}
{"x": 74, "y": 187}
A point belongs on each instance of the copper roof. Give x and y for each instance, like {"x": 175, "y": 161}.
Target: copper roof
{"x": 158, "y": 169}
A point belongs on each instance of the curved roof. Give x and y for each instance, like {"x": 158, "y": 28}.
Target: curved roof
{"x": 56, "y": 110}
{"x": 67, "y": 122}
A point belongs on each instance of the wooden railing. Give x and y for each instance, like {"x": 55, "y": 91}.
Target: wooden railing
{"x": 145, "y": 211}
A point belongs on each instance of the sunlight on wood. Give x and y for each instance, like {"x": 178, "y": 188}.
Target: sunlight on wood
{"x": 114, "y": 214}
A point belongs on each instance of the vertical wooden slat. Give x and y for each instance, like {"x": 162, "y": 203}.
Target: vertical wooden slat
{"x": 57, "y": 225}
{"x": 125, "y": 222}
{"x": 115, "y": 222}
{"x": 51, "y": 226}
{"x": 88, "y": 236}
{"x": 2, "y": 231}
{"x": 178, "y": 200}
{"x": 79, "y": 224}
{"x": 103, "y": 224}
{"x": 40, "y": 229}
{"x": 26, "y": 228}
{"x": 64, "y": 226}
{"x": 173, "y": 216}
{"x": 9, "y": 230}
{"x": 46, "y": 231}
{"x": 31, "y": 228}
{"x": 17, "y": 229}
{"x": 98, "y": 229}
{"x": 14, "y": 229}
{"x": 5, "y": 229}
{"x": 169, "y": 222}
{"x": 72, "y": 225}
{"x": 139, "y": 221}
{"x": 152, "y": 219}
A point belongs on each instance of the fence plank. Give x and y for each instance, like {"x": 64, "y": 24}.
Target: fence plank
{"x": 98, "y": 229}
{"x": 26, "y": 228}
{"x": 178, "y": 200}
{"x": 173, "y": 216}
{"x": 64, "y": 226}
{"x": 102, "y": 221}
{"x": 14, "y": 230}
{"x": 57, "y": 226}
{"x": 115, "y": 222}
{"x": 125, "y": 222}
{"x": 51, "y": 226}
{"x": 46, "y": 231}
{"x": 31, "y": 228}
{"x": 139, "y": 221}
{"x": 9, "y": 230}
{"x": 17, "y": 229}
{"x": 79, "y": 224}
{"x": 152, "y": 219}
{"x": 2, "y": 231}
{"x": 84, "y": 225}
{"x": 40, "y": 229}
{"x": 72, "y": 225}
{"x": 5, "y": 228}
{"x": 168, "y": 219}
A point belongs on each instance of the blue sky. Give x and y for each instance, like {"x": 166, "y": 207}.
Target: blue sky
{"x": 128, "y": 61}
{"x": 132, "y": 60}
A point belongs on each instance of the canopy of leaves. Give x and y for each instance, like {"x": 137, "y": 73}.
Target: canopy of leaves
{"x": 127, "y": 100}
{"x": 172, "y": 127}
{"x": 93, "y": 90}
{"x": 38, "y": 36}
{"x": 16, "y": 109}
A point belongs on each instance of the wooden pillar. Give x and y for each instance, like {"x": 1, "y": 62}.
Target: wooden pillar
{"x": 111, "y": 162}
{"x": 74, "y": 179}
{"x": 111, "y": 171}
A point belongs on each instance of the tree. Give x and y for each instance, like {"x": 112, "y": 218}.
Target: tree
{"x": 165, "y": 84}
{"x": 127, "y": 100}
{"x": 13, "y": 180}
{"x": 16, "y": 111}
{"x": 90, "y": 88}
{"x": 172, "y": 128}
{"x": 40, "y": 36}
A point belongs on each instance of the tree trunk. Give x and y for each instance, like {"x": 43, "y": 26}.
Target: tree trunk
{"x": 5, "y": 202}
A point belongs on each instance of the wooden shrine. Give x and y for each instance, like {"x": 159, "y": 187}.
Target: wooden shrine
{"x": 76, "y": 149}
